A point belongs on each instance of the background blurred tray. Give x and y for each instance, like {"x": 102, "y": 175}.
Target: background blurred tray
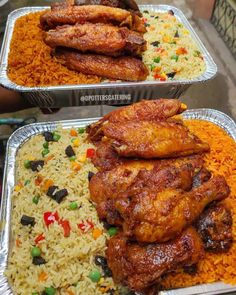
{"x": 118, "y": 93}
{"x": 24, "y": 133}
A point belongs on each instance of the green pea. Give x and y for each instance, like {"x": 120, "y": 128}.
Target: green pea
{"x": 45, "y": 152}
{"x": 95, "y": 276}
{"x": 36, "y": 199}
{"x": 35, "y": 251}
{"x": 81, "y": 130}
{"x": 50, "y": 291}
{"x": 27, "y": 164}
{"x": 157, "y": 59}
{"x": 56, "y": 137}
{"x": 35, "y": 293}
{"x": 112, "y": 231}
{"x": 46, "y": 145}
{"x": 152, "y": 67}
{"x": 175, "y": 57}
{"x": 72, "y": 159}
{"x": 27, "y": 182}
{"x": 73, "y": 206}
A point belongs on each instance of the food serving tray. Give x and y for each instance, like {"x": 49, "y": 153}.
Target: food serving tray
{"x": 111, "y": 93}
{"x": 24, "y": 133}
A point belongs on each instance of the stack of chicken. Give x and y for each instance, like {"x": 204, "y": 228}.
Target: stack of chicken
{"x": 152, "y": 183}
{"x": 103, "y": 40}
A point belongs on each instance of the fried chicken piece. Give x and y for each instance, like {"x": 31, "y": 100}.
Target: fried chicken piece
{"x": 71, "y": 15}
{"x": 151, "y": 216}
{"x": 148, "y": 110}
{"x": 98, "y": 38}
{"x": 110, "y": 184}
{"x": 140, "y": 266}
{"x": 146, "y": 139}
{"x": 106, "y": 158}
{"x": 130, "y": 5}
{"x": 135, "y": 176}
{"x": 123, "y": 68}
{"x": 215, "y": 228}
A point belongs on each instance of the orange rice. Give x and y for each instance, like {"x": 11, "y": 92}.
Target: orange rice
{"x": 30, "y": 62}
{"x": 221, "y": 161}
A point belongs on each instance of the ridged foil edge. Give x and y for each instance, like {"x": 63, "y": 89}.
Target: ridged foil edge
{"x": 211, "y": 68}
{"x": 24, "y": 133}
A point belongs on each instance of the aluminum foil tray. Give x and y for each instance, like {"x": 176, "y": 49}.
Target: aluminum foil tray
{"x": 118, "y": 93}
{"x": 24, "y": 133}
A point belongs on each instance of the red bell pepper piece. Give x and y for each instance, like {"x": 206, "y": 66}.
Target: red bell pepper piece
{"x": 90, "y": 153}
{"x": 66, "y": 227}
{"x": 39, "y": 238}
{"x": 50, "y": 217}
{"x": 85, "y": 226}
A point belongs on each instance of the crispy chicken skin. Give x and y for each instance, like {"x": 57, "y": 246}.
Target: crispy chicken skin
{"x": 146, "y": 139}
{"x": 140, "y": 266}
{"x": 91, "y": 13}
{"x": 124, "y": 68}
{"x": 151, "y": 216}
{"x": 147, "y": 110}
{"x": 98, "y": 38}
{"x": 215, "y": 228}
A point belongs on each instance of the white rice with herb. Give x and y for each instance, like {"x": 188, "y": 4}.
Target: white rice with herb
{"x": 171, "y": 52}
{"x": 69, "y": 267}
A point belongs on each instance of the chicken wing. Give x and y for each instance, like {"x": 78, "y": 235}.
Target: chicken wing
{"x": 123, "y": 68}
{"x": 70, "y": 15}
{"x": 140, "y": 266}
{"x": 98, "y": 38}
{"x": 148, "y": 110}
{"x": 151, "y": 216}
{"x": 146, "y": 139}
{"x": 215, "y": 228}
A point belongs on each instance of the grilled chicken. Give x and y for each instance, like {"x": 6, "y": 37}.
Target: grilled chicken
{"x": 215, "y": 228}
{"x": 91, "y": 13}
{"x": 148, "y": 110}
{"x": 140, "y": 266}
{"x": 146, "y": 139}
{"x": 123, "y": 68}
{"x": 151, "y": 216}
{"x": 98, "y": 38}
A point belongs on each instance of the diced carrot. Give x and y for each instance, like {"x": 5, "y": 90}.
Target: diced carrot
{"x": 69, "y": 292}
{"x": 38, "y": 180}
{"x": 49, "y": 158}
{"x": 73, "y": 132}
{"x": 42, "y": 276}
{"x": 96, "y": 233}
{"x": 181, "y": 50}
{"x": 166, "y": 39}
{"x": 46, "y": 184}
{"x": 18, "y": 243}
{"x": 75, "y": 166}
